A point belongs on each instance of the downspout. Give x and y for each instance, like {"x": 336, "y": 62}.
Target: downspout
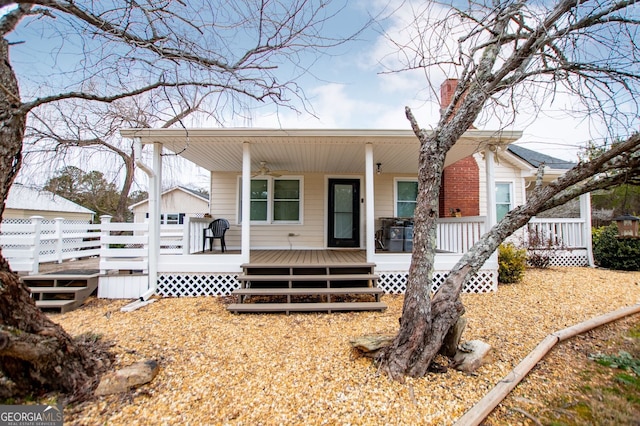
{"x": 153, "y": 219}
{"x": 585, "y": 214}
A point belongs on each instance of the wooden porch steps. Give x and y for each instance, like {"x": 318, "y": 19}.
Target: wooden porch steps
{"x": 244, "y": 292}
{"x": 62, "y": 291}
{"x": 330, "y": 287}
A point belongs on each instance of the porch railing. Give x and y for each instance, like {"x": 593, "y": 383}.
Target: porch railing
{"x": 555, "y": 233}
{"x": 26, "y": 244}
{"x": 458, "y": 234}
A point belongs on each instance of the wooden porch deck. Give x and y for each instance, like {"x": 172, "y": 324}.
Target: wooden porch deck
{"x": 308, "y": 257}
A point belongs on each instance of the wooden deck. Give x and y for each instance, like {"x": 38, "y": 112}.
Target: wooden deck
{"x": 308, "y": 257}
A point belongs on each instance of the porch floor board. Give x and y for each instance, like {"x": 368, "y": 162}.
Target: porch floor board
{"x": 308, "y": 257}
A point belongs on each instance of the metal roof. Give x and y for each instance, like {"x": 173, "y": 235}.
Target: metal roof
{"x": 26, "y": 198}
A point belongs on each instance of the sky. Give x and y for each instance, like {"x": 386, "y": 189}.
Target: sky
{"x": 357, "y": 91}
{"x": 352, "y": 87}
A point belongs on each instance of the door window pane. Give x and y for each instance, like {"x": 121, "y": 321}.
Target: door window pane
{"x": 343, "y": 211}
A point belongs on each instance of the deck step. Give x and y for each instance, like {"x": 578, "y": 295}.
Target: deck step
{"x": 305, "y": 291}
{"x": 311, "y": 277}
{"x": 62, "y": 305}
{"x": 56, "y": 289}
{"x": 55, "y": 276}
{"x": 63, "y": 290}
{"x": 298, "y": 265}
{"x": 306, "y": 307}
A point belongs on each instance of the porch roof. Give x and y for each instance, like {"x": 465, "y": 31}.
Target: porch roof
{"x": 310, "y": 150}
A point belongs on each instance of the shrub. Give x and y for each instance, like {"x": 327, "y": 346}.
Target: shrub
{"x": 512, "y": 262}
{"x": 539, "y": 250}
{"x": 615, "y": 253}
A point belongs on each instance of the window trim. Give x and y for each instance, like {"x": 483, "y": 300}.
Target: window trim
{"x": 164, "y": 218}
{"x": 397, "y": 180}
{"x": 270, "y": 201}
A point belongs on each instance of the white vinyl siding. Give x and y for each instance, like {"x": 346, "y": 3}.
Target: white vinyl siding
{"x": 504, "y": 172}
{"x": 172, "y": 203}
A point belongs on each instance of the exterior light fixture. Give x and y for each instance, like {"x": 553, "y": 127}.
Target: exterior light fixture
{"x": 378, "y": 168}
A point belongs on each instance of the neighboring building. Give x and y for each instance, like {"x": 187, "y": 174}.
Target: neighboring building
{"x": 24, "y": 202}
{"x": 176, "y": 204}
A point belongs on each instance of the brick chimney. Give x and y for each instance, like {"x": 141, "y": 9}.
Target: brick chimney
{"x": 460, "y": 190}
{"x": 447, "y": 89}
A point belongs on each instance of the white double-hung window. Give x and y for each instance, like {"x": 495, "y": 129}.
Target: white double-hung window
{"x": 406, "y": 195}
{"x": 504, "y": 199}
{"x": 274, "y": 200}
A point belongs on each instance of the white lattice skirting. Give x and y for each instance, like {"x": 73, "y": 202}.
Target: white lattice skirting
{"x": 176, "y": 285}
{"x": 564, "y": 258}
{"x": 569, "y": 261}
{"x": 482, "y": 282}
{"x": 179, "y": 285}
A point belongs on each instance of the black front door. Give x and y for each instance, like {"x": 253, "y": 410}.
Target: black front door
{"x": 344, "y": 213}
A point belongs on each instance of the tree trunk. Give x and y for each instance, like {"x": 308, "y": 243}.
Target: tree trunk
{"x": 36, "y": 355}
{"x": 423, "y": 326}
{"x": 122, "y": 209}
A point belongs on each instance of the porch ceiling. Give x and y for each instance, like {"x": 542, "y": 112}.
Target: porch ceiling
{"x": 309, "y": 150}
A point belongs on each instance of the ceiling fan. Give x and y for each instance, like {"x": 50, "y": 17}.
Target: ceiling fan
{"x": 266, "y": 171}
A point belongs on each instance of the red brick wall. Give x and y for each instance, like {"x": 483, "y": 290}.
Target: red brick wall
{"x": 460, "y": 188}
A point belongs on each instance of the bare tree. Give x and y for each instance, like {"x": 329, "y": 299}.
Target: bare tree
{"x": 508, "y": 50}
{"x": 89, "y": 52}
{"x": 84, "y": 132}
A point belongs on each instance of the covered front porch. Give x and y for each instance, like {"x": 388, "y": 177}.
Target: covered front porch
{"x": 316, "y": 190}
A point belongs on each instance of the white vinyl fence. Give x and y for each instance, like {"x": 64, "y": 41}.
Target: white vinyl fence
{"x": 120, "y": 246}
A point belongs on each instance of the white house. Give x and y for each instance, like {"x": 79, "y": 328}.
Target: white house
{"x": 327, "y": 208}
{"x": 318, "y": 190}
{"x": 176, "y": 204}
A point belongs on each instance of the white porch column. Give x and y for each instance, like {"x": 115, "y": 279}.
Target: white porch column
{"x": 585, "y": 215}
{"x": 246, "y": 203}
{"x": 489, "y": 160}
{"x": 370, "y": 224}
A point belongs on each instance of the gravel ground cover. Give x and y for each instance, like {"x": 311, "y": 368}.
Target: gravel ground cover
{"x": 267, "y": 369}
{"x": 567, "y": 387}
